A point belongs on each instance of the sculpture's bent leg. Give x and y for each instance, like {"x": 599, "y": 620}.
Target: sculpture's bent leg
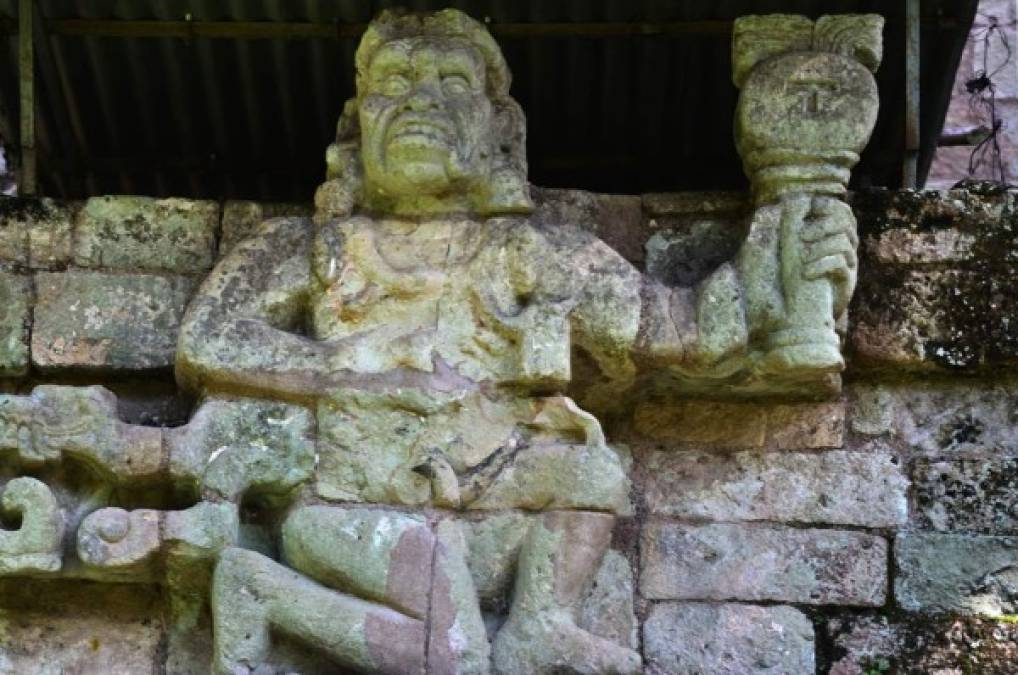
{"x": 579, "y": 486}
{"x": 556, "y": 565}
{"x": 252, "y": 594}
{"x": 396, "y": 560}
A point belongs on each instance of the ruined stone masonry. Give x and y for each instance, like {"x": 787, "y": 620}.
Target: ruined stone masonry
{"x": 444, "y": 421}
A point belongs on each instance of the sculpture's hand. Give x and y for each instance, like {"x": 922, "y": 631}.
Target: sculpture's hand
{"x": 445, "y": 488}
{"x": 407, "y": 485}
{"x": 828, "y": 241}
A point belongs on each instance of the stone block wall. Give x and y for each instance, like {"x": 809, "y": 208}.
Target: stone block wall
{"x": 872, "y": 532}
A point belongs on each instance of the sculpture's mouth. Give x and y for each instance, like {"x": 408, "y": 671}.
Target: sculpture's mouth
{"x": 421, "y": 130}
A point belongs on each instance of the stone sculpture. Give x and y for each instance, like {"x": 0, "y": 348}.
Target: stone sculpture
{"x": 387, "y": 380}
{"x": 807, "y": 106}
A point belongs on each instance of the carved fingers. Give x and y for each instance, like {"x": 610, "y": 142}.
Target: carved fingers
{"x": 829, "y": 241}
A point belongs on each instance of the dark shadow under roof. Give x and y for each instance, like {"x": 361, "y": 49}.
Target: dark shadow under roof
{"x": 621, "y": 95}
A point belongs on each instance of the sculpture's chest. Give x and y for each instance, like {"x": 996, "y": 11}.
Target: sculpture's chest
{"x": 398, "y": 300}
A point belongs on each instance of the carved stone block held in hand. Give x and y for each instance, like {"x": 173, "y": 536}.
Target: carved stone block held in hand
{"x": 807, "y": 106}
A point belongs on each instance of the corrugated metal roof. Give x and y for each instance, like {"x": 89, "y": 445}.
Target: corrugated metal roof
{"x": 646, "y": 111}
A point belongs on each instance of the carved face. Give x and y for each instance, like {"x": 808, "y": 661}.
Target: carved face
{"x": 814, "y": 102}
{"x": 425, "y": 118}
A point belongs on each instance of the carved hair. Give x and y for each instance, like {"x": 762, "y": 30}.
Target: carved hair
{"x": 508, "y": 188}
{"x": 758, "y": 38}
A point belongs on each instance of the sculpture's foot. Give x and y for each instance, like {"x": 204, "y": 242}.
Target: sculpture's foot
{"x": 811, "y": 359}
{"x": 552, "y": 643}
{"x": 803, "y": 351}
{"x": 240, "y": 607}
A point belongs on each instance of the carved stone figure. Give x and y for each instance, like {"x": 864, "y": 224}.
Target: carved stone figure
{"x": 807, "y": 106}
{"x": 390, "y": 386}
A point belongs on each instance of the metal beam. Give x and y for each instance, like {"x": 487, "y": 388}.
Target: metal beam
{"x": 26, "y": 81}
{"x": 265, "y": 30}
{"x": 303, "y": 30}
{"x": 910, "y": 163}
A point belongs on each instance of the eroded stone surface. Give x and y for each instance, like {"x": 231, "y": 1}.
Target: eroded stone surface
{"x": 758, "y": 562}
{"x": 82, "y": 423}
{"x": 241, "y": 219}
{"x": 122, "y": 232}
{"x": 940, "y": 288}
{"x": 974, "y": 495}
{"x": 35, "y": 233}
{"x": 867, "y": 644}
{"x": 232, "y": 448}
{"x": 96, "y": 320}
{"x": 951, "y": 421}
{"x": 35, "y": 546}
{"x": 79, "y": 627}
{"x": 698, "y": 424}
{"x": 956, "y": 573}
{"x": 727, "y": 639}
{"x": 15, "y": 302}
{"x": 838, "y": 487}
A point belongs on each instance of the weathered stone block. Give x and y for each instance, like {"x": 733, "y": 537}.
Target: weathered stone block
{"x": 15, "y": 301}
{"x": 956, "y": 573}
{"x": 753, "y": 562}
{"x": 958, "y": 420}
{"x": 928, "y": 320}
{"x": 977, "y": 495}
{"x": 847, "y": 488}
{"x": 608, "y": 609}
{"x": 241, "y": 218}
{"x": 34, "y": 232}
{"x": 141, "y": 233}
{"x": 939, "y": 286}
{"x": 867, "y": 645}
{"x": 903, "y": 246}
{"x": 692, "y": 233}
{"x": 743, "y": 424}
{"x": 80, "y": 628}
{"x": 727, "y": 640}
{"x": 232, "y": 446}
{"x": 95, "y": 320}
{"x": 615, "y": 219}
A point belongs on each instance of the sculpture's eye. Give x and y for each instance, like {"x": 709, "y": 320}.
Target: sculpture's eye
{"x": 455, "y": 85}
{"x": 394, "y": 85}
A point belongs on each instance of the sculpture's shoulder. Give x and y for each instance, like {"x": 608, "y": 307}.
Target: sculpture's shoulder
{"x": 559, "y": 240}
{"x": 274, "y": 258}
{"x": 280, "y": 237}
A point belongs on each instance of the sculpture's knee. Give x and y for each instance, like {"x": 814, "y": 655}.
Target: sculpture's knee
{"x": 573, "y": 477}
{"x": 374, "y": 554}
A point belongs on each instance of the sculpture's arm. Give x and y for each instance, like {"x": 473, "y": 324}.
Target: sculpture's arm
{"x": 728, "y": 321}
{"x": 241, "y": 332}
{"x": 625, "y": 320}
{"x": 628, "y": 321}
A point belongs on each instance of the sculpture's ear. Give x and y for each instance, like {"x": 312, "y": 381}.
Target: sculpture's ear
{"x": 756, "y": 38}
{"x": 508, "y": 189}
{"x": 344, "y": 172}
{"x": 857, "y": 36}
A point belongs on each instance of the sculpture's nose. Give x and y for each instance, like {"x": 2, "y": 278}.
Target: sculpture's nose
{"x": 813, "y": 105}
{"x": 425, "y": 96}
